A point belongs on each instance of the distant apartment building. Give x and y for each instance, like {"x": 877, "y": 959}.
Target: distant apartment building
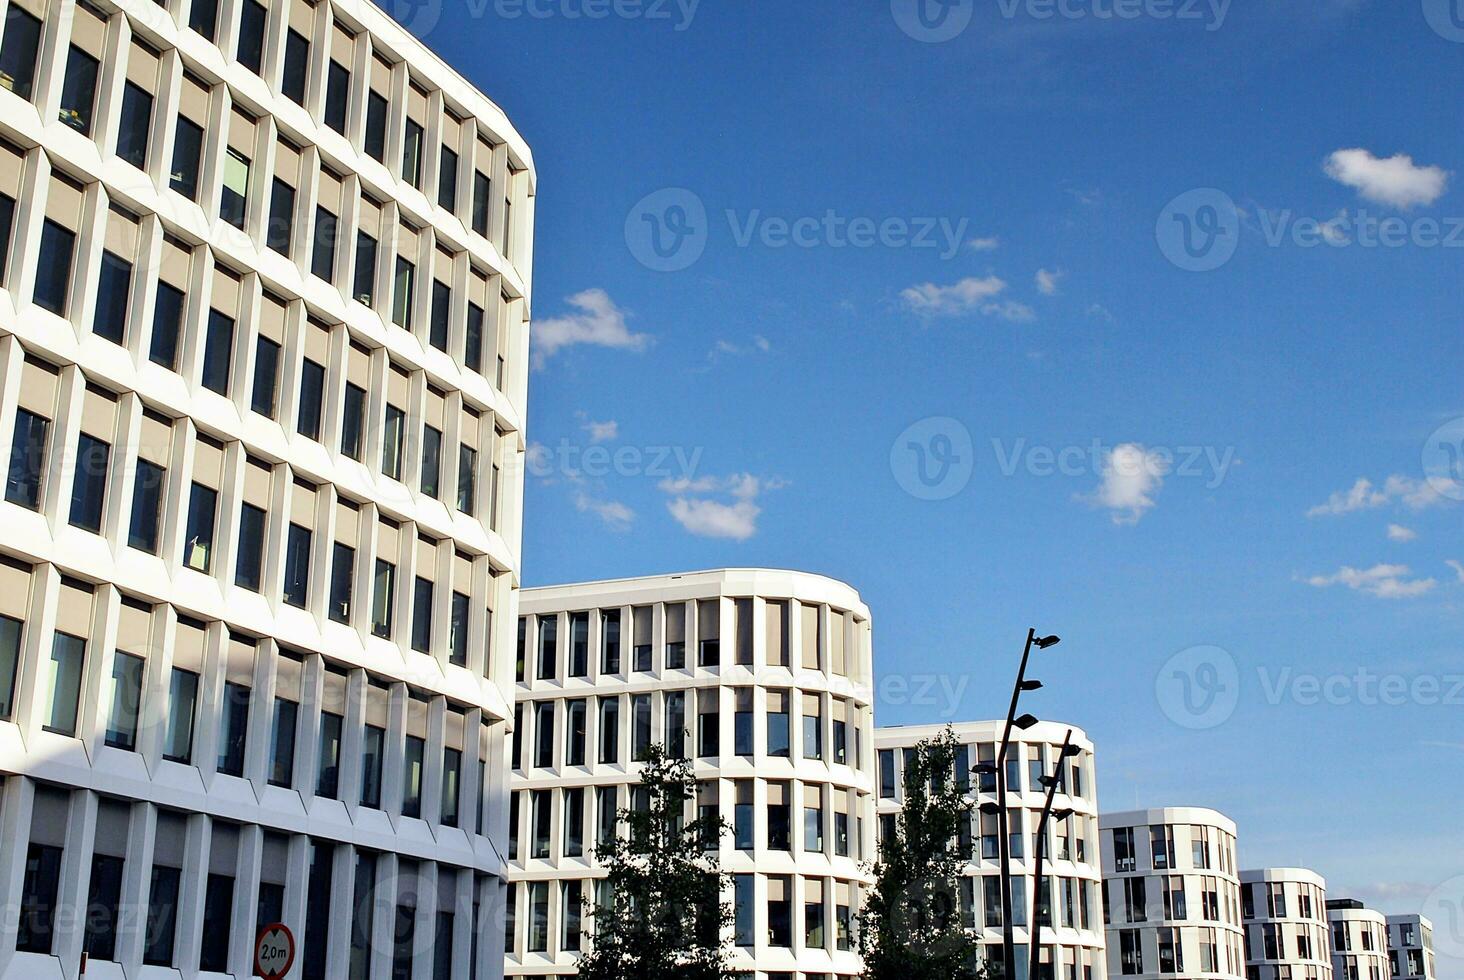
{"x": 762, "y": 679}
{"x": 1287, "y": 936}
{"x": 1070, "y": 903}
{"x": 1359, "y": 941}
{"x": 1411, "y": 948}
{"x": 1172, "y": 894}
{"x": 264, "y": 289}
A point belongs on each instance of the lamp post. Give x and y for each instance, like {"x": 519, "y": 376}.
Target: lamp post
{"x": 1008, "y": 940}
{"x": 1052, "y": 782}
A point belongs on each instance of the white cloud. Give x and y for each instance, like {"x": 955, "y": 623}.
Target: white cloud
{"x": 1396, "y": 181}
{"x": 1364, "y": 495}
{"x": 599, "y": 322}
{"x": 615, "y": 515}
{"x": 606, "y": 431}
{"x": 707, "y": 517}
{"x": 969, "y": 295}
{"x": 1132, "y": 477}
{"x": 1100, "y": 312}
{"x": 1397, "y": 532}
{"x": 762, "y": 343}
{"x": 1458, "y": 568}
{"x": 990, "y": 244}
{"x": 1382, "y": 581}
{"x": 728, "y": 348}
{"x": 1047, "y": 280}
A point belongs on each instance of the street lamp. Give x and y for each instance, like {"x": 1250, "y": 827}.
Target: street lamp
{"x": 1051, "y": 783}
{"x": 1008, "y": 940}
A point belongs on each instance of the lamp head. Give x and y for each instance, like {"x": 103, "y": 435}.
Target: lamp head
{"x": 1032, "y": 685}
{"x": 1048, "y": 641}
{"x": 1025, "y": 722}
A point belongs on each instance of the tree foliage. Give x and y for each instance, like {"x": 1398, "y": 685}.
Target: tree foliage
{"x": 910, "y": 927}
{"x": 660, "y": 915}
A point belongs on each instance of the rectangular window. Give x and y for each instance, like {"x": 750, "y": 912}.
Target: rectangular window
{"x": 249, "y": 566}
{"x": 38, "y": 899}
{"x": 467, "y": 479}
{"x": 322, "y": 256}
{"x": 353, "y": 422}
{"x": 452, "y": 772}
{"x": 53, "y": 269}
{"x": 458, "y": 632}
{"x": 383, "y": 599}
{"x": 281, "y": 228}
{"x": 422, "y": 615}
{"x": 372, "y": 758}
{"x": 218, "y": 913}
{"x": 342, "y": 578}
{"x": 187, "y": 152}
{"x": 577, "y": 714}
{"x": 447, "y": 177}
{"x": 18, "y": 51}
{"x": 162, "y": 916}
{"x": 103, "y": 902}
{"x": 441, "y": 313}
{"x": 233, "y": 729}
{"x": 182, "y": 710}
{"x": 167, "y": 325}
{"x": 473, "y": 339}
{"x": 401, "y": 299}
{"x": 610, "y": 641}
{"x": 7, "y": 225}
{"x": 203, "y": 17}
{"x": 391, "y": 442}
{"x": 218, "y": 352}
{"x": 68, "y": 659}
{"x": 27, "y": 460}
{"x": 328, "y": 762}
{"x": 609, "y": 731}
{"x": 126, "y": 701}
{"x": 266, "y": 377}
{"x": 135, "y": 126}
{"x": 312, "y": 399}
{"x": 89, "y": 482}
{"x": 114, "y": 289}
{"x": 297, "y": 66}
{"x": 364, "y": 287}
{"x": 297, "y": 566}
{"x": 744, "y": 916}
{"x": 282, "y": 743}
{"x": 412, "y": 154}
{"x": 376, "y": 110}
{"x": 412, "y": 777}
{"x": 10, "y": 630}
{"x": 252, "y": 19}
{"x": 79, "y": 90}
{"x": 481, "y": 191}
{"x": 232, "y": 201}
{"x": 337, "y": 96}
{"x": 431, "y": 460}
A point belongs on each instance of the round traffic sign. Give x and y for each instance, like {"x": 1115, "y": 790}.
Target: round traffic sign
{"x": 274, "y": 952}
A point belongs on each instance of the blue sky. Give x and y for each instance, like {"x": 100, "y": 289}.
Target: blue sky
{"x": 1020, "y": 195}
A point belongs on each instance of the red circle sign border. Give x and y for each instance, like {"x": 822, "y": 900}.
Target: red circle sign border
{"x": 290, "y": 943}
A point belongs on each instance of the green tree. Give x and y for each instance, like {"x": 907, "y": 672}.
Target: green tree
{"x": 910, "y": 926}
{"x": 660, "y": 914}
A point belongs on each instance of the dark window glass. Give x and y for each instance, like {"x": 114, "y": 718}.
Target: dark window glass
{"x": 297, "y": 566}
{"x": 412, "y": 777}
{"x": 353, "y": 422}
{"x": 312, "y": 392}
{"x": 218, "y": 352}
{"x": 18, "y": 51}
{"x": 403, "y": 942}
{"x": 252, "y": 19}
{"x": 271, "y": 906}
{"x": 53, "y": 269}
{"x": 422, "y": 615}
{"x": 104, "y": 898}
{"x": 447, "y": 178}
{"x": 218, "y": 913}
{"x": 10, "y": 630}
{"x": 431, "y": 460}
{"x": 372, "y": 758}
{"x": 68, "y": 659}
{"x": 266, "y": 377}
{"x": 342, "y": 575}
{"x": 297, "y": 64}
{"x": 473, "y": 343}
{"x": 376, "y": 111}
{"x": 89, "y": 482}
{"x": 441, "y": 314}
{"x": 79, "y": 90}
{"x": 391, "y": 442}
{"x": 233, "y": 729}
{"x": 282, "y": 743}
{"x": 412, "y": 154}
{"x": 182, "y": 709}
{"x": 452, "y": 772}
{"x": 27, "y": 459}
{"x": 317, "y": 912}
{"x": 38, "y": 899}
{"x": 482, "y": 187}
{"x": 203, "y": 17}
{"x": 402, "y": 298}
{"x": 234, "y": 195}
{"x": 337, "y": 96}
{"x": 187, "y": 151}
{"x": 281, "y": 227}
{"x": 167, "y": 325}
{"x": 364, "y": 287}
{"x": 162, "y": 916}
{"x": 114, "y": 289}
{"x": 328, "y": 761}
{"x": 383, "y": 599}
{"x": 458, "y": 631}
{"x": 322, "y": 256}
{"x": 249, "y": 568}
{"x": 7, "y": 225}
{"x": 135, "y": 126}
{"x": 363, "y": 906}
{"x": 467, "y": 488}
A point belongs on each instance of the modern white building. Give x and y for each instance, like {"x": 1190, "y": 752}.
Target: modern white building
{"x": 1287, "y": 936}
{"x": 1072, "y": 926}
{"x": 1359, "y": 941}
{"x": 1172, "y": 894}
{"x": 1410, "y": 947}
{"x": 762, "y": 679}
{"x": 264, "y": 293}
